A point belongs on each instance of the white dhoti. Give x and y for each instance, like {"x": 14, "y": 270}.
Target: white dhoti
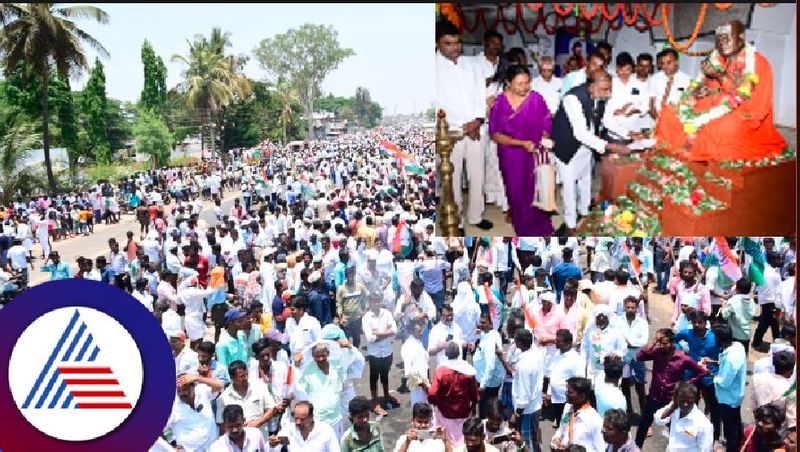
{"x": 469, "y": 152}
{"x": 576, "y": 190}
{"x": 195, "y": 325}
{"x": 493, "y": 186}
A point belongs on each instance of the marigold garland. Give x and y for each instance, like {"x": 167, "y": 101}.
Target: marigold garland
{"x": 684, "y": 48}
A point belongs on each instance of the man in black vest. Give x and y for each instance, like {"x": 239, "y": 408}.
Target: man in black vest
{"x": 576, "y": 132}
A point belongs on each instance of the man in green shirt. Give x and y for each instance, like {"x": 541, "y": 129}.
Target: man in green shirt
{"x": 323, "y": 384}
{"x": 363, "y": 435}
{"x": 739, "y": 311}
{"x": 351, "y": 303}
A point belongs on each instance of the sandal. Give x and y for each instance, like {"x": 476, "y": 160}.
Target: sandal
{"x": 379, "y": 411}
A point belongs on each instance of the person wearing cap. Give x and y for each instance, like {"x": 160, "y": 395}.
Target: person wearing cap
{"x": 547, "y": 320}
{"x": 602, "y": 338}
{"x": 56, "y": 268}
{"x": 229, "y": 348}
{"x": 690, "y": 286}
{"x": 319, "y": 300}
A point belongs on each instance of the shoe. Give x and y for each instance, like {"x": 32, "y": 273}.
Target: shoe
{"x": 403, "y": 389}
{"x": 484, "y": 224}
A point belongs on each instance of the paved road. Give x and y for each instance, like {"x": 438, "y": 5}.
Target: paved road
{"x": 96, "y": 244}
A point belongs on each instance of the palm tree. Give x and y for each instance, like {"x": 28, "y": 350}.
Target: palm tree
{"x": 287, "y": 97}
{"x": 212, "y": 80}
{"x": 45, "y": 37}
{"x": 17, "y": 138}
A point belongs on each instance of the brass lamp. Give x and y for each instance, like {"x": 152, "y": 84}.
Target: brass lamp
{"x": 447, "y": 216}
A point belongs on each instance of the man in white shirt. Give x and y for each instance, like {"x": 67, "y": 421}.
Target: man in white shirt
{"x": 628, "y": 104}
{"x": 415, "y": 363}
{"x": 462, "y": 97}
{"x": 667, "y": 85}
{"x": 788, "y": 295}
{"x": 485, "y": 64}
{"x": 580, "y": 423}
{"x": 768, "y": 297}
{"x": 252, "y": 396}
{"x": 192, "y": 419}
{"x": 576, "y": 132}
{"x": 690, "y": 429}
{"x": 306, "y": 434}
{"x": 566, "y": 364}
{"x": 547, "y": 84}
{"x": 526, "y": 388}
{"x": 442, "y": 334}
{"x": 379, "y": 328}
{"x": 414, "y": 441}
{"x": 302, "y": 328}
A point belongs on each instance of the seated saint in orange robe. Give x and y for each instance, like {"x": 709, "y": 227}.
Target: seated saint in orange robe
{"x": 747, "y": 132}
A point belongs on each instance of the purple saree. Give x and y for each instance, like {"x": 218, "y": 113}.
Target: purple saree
{"x": 528, "y": 123}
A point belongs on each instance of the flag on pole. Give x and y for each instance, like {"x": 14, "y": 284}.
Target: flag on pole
{"x": 719, "y": 253}
{"x": 405, "y": 161}
{"x": 757, "y": 264}
{"x": 635, "y": 263}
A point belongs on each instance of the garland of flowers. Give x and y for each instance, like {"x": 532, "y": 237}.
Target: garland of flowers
{"x": 693, "y": 121}
{"x": 684, "y": 48}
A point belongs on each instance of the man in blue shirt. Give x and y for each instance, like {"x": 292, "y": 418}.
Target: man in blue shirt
{"x": 702, "y": 344}
{"x": 729, "y": 384}
{"x": 106, "y": 274}
{"x": 431, "y": 270}
{"x": 564, "y": 270}
{"x": 58, "y": 270}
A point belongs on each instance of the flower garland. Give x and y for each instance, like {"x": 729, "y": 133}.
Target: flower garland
{"x": 693, "y": 122}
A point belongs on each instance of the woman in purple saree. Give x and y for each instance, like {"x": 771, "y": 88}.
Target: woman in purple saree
{"x": 518, "y": 122}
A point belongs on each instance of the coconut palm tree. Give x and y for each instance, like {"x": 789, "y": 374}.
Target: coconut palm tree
{"x": 212, "y": 80}
{"x": 45, "y": 37}
{"x": 17, "y": 139}
{"x": 287, "y": 98}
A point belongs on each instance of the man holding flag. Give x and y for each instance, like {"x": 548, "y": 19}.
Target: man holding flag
{"x": 767, "y": 294}
{"x": 722, "y": 271}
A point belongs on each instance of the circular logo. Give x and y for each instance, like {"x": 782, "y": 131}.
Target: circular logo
{"x": 86, "y": 376}
{"x": 89, "y": 369}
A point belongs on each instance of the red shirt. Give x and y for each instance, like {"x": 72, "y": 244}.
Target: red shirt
{"x": 202, "y": 269}
{"x": 668, "y": 371}
{"x": 453, "y": 393}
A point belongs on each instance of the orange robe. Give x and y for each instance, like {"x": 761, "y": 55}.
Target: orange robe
{"x": 746, "y": 133}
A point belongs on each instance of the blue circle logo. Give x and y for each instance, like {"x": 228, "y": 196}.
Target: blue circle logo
{"x": 88, "y": 368}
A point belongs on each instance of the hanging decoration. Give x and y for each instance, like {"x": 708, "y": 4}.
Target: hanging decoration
{"x": 641, "y": 16}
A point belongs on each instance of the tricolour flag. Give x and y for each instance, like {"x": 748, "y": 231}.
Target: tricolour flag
{"x": 757, "y": 264}
{"x": 720, "y": 253}
{"x": 635, "y": 263}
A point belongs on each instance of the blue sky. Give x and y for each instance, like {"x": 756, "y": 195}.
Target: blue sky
{"x": 393, "y": 44}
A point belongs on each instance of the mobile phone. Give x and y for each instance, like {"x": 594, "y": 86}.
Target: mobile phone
{"x": 449, "y": 337}
{"x": 501, "y": 439}
{"x": 423, "y": 435}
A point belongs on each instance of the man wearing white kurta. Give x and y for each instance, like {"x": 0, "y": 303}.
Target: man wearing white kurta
{"x": 576, "y": 131}
{"x": 547, "y": 84}
{"x": 462, "y": 97}
{"x": 486, "y": 68}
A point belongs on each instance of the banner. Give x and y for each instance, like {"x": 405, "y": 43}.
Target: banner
{"x": 720, "y": 253}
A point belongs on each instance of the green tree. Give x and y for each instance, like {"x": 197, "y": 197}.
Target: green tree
{"x": 95, "y": 108}
{"x": 67, "y": 119}
{"x": 362, "y": 106}
{"x": 333, "y": 104}
{"x": 154, "y": 92}
{"x": 211, "y": 79}
{"x": 17, "y": 139}
{"x": 45, "y": 37}
{"x": 374, "y": 115}
{"x": 153, "y": 137}
{"x": 287, "y": 98}
{"x": 305, "y": 56}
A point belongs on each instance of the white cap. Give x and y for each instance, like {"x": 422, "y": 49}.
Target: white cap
{"x": 314, "y": 277}
{"x": 548, "y": 296}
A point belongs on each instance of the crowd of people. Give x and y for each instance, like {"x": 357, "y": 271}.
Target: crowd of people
{"x": 515, "y": 117}
{"x": 497, "y": 337}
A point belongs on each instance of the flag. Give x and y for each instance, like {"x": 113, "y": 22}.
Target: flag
{"x": 635, "y": 263}
{"x": 757, "y": 264}
{"x": 720, "y": 254}
{"x": 405, "y": 162}
{"x": 305, "y": 187}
